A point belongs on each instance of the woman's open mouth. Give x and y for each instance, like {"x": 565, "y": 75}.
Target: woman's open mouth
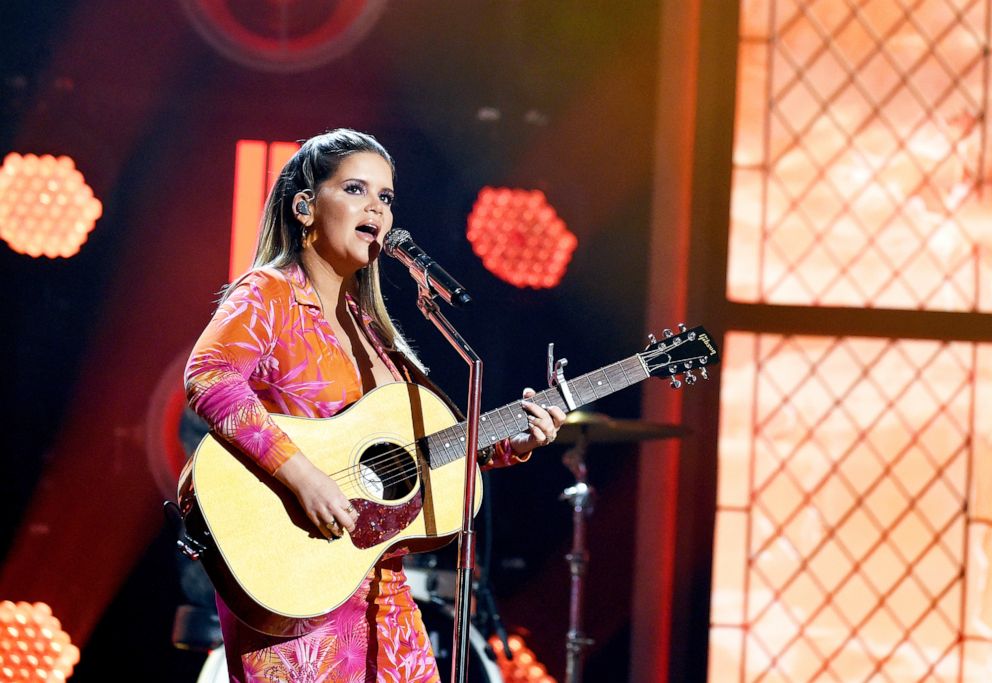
{"x": 368, "y": 231}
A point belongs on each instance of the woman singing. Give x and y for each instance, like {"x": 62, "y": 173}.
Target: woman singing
{"x": 306, "y": 332}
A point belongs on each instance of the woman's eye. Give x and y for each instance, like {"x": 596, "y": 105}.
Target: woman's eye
{"x": 354, "y": 188}
{"x": 387, "y": 198}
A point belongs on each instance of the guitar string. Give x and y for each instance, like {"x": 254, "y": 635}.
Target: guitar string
{"x": 352, "y": 475}
{"x": 406, "y": 467}
{"x": 403, "y": 468}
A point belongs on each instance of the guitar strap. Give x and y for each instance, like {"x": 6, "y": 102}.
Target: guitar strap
{"x": 412, "y": 373}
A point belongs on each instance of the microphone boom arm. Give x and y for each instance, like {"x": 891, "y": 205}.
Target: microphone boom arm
{"x": 426, "y": 272}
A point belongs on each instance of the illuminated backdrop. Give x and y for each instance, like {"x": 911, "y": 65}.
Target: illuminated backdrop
{"x": 852, "y": 527}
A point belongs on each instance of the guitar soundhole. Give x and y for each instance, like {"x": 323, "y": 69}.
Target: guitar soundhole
{"x": 388, "y": 471}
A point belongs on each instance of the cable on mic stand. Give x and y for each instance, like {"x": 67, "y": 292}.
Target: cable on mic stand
{"x": 487, "y": 617}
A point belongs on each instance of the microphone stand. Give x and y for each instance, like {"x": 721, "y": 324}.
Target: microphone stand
{"x": 466, "y": 537}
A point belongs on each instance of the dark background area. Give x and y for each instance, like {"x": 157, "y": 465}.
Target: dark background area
{"x": 151, "y": 113}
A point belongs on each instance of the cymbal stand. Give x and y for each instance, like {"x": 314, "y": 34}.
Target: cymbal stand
{"x": 581, "y": 497}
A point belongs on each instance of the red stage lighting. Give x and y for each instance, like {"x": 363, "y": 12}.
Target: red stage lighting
{"x": 524, "y": 667}
{"x": 283, "y": 35}
{"x": 520, "y": 237}
{"x": 256, "y": 168}
{"x": 33, "y": 646}
{"x": 46, "y": 207}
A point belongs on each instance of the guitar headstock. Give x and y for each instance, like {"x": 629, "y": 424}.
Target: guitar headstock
{"x": 680, "y": 356}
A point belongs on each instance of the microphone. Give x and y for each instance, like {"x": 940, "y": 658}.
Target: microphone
{"x": 425, "y": 270}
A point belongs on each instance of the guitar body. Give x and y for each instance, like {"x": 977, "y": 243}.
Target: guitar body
{"x": 280, "y": 575}
{"x": 272, "y": 567}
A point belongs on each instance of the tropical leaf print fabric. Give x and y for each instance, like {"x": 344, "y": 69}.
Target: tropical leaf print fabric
{"x": 268, "y": 349}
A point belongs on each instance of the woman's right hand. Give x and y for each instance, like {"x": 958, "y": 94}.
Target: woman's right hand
{"x": 322, "y": 499}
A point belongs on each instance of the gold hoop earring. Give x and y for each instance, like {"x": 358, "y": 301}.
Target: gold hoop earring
{"x": 308, "y": 236}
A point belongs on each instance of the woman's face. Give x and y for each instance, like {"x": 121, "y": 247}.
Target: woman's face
{"x": 352, "y": 212}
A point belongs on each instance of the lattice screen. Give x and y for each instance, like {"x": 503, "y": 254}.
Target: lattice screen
{"x": 843, "y": 536}
{"x": 853, "y": 539}
{"x": 861, "y": 155}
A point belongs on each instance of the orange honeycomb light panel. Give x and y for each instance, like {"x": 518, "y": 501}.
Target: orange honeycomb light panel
{"x": 33, "y": 646}
{"x": 46, "y": 207}
{"x": 524, "y": 667}
{"x": 519, "y": 237}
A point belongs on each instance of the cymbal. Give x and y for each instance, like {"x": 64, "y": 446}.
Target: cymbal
{"x": 600, "y": 428}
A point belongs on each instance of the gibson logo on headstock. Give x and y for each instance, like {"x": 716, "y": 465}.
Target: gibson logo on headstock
{"x": 705, "y": 338}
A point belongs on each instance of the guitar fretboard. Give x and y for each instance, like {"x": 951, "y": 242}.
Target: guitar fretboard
{"x": 448, "y": 445}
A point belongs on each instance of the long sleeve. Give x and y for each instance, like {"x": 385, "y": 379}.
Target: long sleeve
{"x": 235, "y": 346}
{"x": 504, "y": 456}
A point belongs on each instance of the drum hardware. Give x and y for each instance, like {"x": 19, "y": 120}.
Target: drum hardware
{"x": 196, "y": 625}
{"x": 215, "y": 667}
{"x": 439, "y": 621}
{"x": 602, "y": 429}
{"x": 428, "y": 583}
{"x": 580, "y": 497}
{"x": 580, "y": 429}
{"x": 487, "y": 617}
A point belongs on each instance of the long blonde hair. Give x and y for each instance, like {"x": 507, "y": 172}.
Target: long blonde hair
{"x": 280, "y": 240}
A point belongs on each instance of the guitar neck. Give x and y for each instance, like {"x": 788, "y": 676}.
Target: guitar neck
{"x": 448, "y": 445}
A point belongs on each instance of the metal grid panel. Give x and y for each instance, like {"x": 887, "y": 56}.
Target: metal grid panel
{"x": 843, "y": 529}
{"x": 860, "y": 155}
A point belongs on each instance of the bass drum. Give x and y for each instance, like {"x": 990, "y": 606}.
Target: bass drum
{"x": 439, "y": 618}
{"x": 215, "y": 668}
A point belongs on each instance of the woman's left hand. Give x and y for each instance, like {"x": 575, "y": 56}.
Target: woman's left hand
{"x": 544, "y": 425}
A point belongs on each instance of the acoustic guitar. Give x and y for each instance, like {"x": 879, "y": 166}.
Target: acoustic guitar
{"x": 397, "y": 454}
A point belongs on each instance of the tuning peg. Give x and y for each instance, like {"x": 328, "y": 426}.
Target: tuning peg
{"x": 690, "y": 378}
{"x": 682, "y": 327}
{"x": 702, "y": 371}
{"x": 667, "y": 332}
{"x": 651, "y": 340}
{"x": 675, "y": 383}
